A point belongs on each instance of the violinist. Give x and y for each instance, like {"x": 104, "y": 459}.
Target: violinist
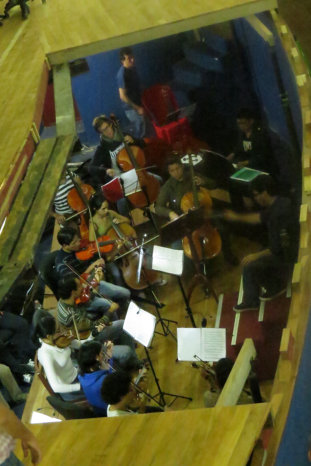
{"x": 62, "y": 209}
{"x": 179, "y": 183}
{"x": 70, "y": 242}
{"x": 122, "y": 397}
{"x": 103, "y": 217}
{"x": 56, "y": 362}
{"x": 71, "y": 316}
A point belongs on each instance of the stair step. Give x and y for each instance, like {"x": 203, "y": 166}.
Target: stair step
{"x": 198, "y": 54}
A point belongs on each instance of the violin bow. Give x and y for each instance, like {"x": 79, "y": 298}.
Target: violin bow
{"x": 87, "y": 205}
{"x": 72, "y": 269}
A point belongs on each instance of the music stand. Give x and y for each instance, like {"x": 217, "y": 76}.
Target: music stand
{"x": 140, "y": 325}
{"x": 177, "y": 229}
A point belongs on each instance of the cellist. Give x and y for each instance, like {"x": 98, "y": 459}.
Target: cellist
{"x": 179, "y": 183}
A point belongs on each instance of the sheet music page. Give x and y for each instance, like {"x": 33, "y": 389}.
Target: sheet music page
{"x": 213, "y": 344}
{"x": 188, "y": 343}
{"x": 130, "y": 182}
{"x": 167, "y": 260}
{"x": 139, "y": 324}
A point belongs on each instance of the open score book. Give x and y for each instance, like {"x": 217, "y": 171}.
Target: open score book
{"x": 208, "y": 344}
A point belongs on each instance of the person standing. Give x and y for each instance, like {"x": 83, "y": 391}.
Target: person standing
{"x": 130, "y": 92}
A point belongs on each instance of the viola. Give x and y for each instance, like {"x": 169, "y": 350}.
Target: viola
{"x": 77, "y": 204}
{"x": 206, "y": 239}
{"x": 129, "y": 264}
{"x": 89, "y": 248}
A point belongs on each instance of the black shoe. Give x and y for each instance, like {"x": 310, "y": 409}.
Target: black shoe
{"x": 245, "y": 307}
{"x": 268, "y": 295}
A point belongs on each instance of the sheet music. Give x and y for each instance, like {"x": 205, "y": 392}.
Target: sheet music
{"x": 167, "y": 260}
{"x": 139, "y": 324}
{"x": 130, "y": 182}
{"x": 213, "y": 344}
{"x": 209, "y": 344}
{"x": 188, "y": 343}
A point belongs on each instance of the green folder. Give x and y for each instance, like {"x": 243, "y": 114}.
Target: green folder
{"x": 246, "y": 174}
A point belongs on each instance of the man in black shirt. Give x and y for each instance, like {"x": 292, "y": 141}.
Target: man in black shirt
{"x": 265, "y": 273}
{"x": 129, "y": 92}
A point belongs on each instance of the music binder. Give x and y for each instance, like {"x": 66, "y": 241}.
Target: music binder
{"x": 208, "y": 344}
{"x": 139, "y": 324}
{"x": 247, "y": 174}
{"x": 167, "y": 260}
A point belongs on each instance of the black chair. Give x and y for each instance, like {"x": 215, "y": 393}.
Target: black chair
{"x": 48, "y": 272}
{"x": 70, "y": 410}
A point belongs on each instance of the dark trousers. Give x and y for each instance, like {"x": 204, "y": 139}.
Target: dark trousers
{"x": 268, "y": 272}
{"x": 16, "y": 344}
{"x": 22, "y": 3}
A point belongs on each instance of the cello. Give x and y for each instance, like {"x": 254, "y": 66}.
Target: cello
{"x": 206, "y": 239}
{"x": 129, "y": 264}
{"x": 133, "y": 157}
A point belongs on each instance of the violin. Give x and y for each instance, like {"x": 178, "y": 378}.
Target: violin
{"x": 133, "y": 157}
{"x": 89, "y": 248}
{"x": 63, "y": 339}
{"x": 129, "y": 264}
{"x": 90, "y": 282}
{"x": 77, "y": 204}
{"x": 206, "y": 239}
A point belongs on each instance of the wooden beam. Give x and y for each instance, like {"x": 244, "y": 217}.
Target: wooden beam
{"x": 34, "y": 225}
{"x": 24, "y": 199}
{"x": 160, "y": 30}
{"x": 261, "y": 29}
{"x": 64, "y": 107}
{"x": 238, "y": 375}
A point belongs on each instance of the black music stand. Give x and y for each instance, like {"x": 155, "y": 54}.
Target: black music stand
{"x": 177, "y": 229}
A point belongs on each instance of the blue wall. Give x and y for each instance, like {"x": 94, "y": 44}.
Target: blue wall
{"x": 96, "y": 91}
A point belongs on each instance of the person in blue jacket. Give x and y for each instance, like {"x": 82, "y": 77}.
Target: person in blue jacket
{"x": 95, "y": 363}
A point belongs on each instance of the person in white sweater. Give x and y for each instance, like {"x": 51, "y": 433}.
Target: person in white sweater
{"x": 56, "y": 362}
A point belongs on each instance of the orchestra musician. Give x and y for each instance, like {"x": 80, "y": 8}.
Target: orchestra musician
{"x": 74, "y": 317}
{"x": 70, "y": 242}
{"x": 265, "y": 273}
{"x": 179, "y": 183}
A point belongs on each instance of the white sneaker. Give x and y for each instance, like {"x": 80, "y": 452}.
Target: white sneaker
{"x": 31, "y": 363}
{"x": 27, "y": 378}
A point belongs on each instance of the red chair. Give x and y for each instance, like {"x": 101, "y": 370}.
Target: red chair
{"x": 161, "y": 107}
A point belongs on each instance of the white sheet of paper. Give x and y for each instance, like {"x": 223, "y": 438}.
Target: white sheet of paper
{"x": 139, "y": 324}
{"x": 130, "y": 182}
{"x": 167, "y": 260}
{"x": 188, "y": 343}
{"x": 40, "y": 418}
{"x": 209, "y": 344}
{"x": 213, "y": 344}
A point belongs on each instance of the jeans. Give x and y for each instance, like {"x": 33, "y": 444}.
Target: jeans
{"x": 138, "y": 125}
{"x": 124, "y": 345}
{"x": 268, "y": 272}
{"x": 111, "y": 291}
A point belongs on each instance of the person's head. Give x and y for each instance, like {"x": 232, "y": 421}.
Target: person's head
{"x": 69, "y": 287}
{"x": 99, "y": 205}
{"x": 117, "y": 387}
{"x": 222, "y": 369}
{"x": 46, "y": 326}
{"x": 263, "y": 190}
{"x": 245, "y": 119}
{"x": 90, "y": 357}
{"x": 69, "y": 239}
{"x": 127, "y": 57}
{"x": 103, "y": 125}
{"x": 175, "y": 167}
